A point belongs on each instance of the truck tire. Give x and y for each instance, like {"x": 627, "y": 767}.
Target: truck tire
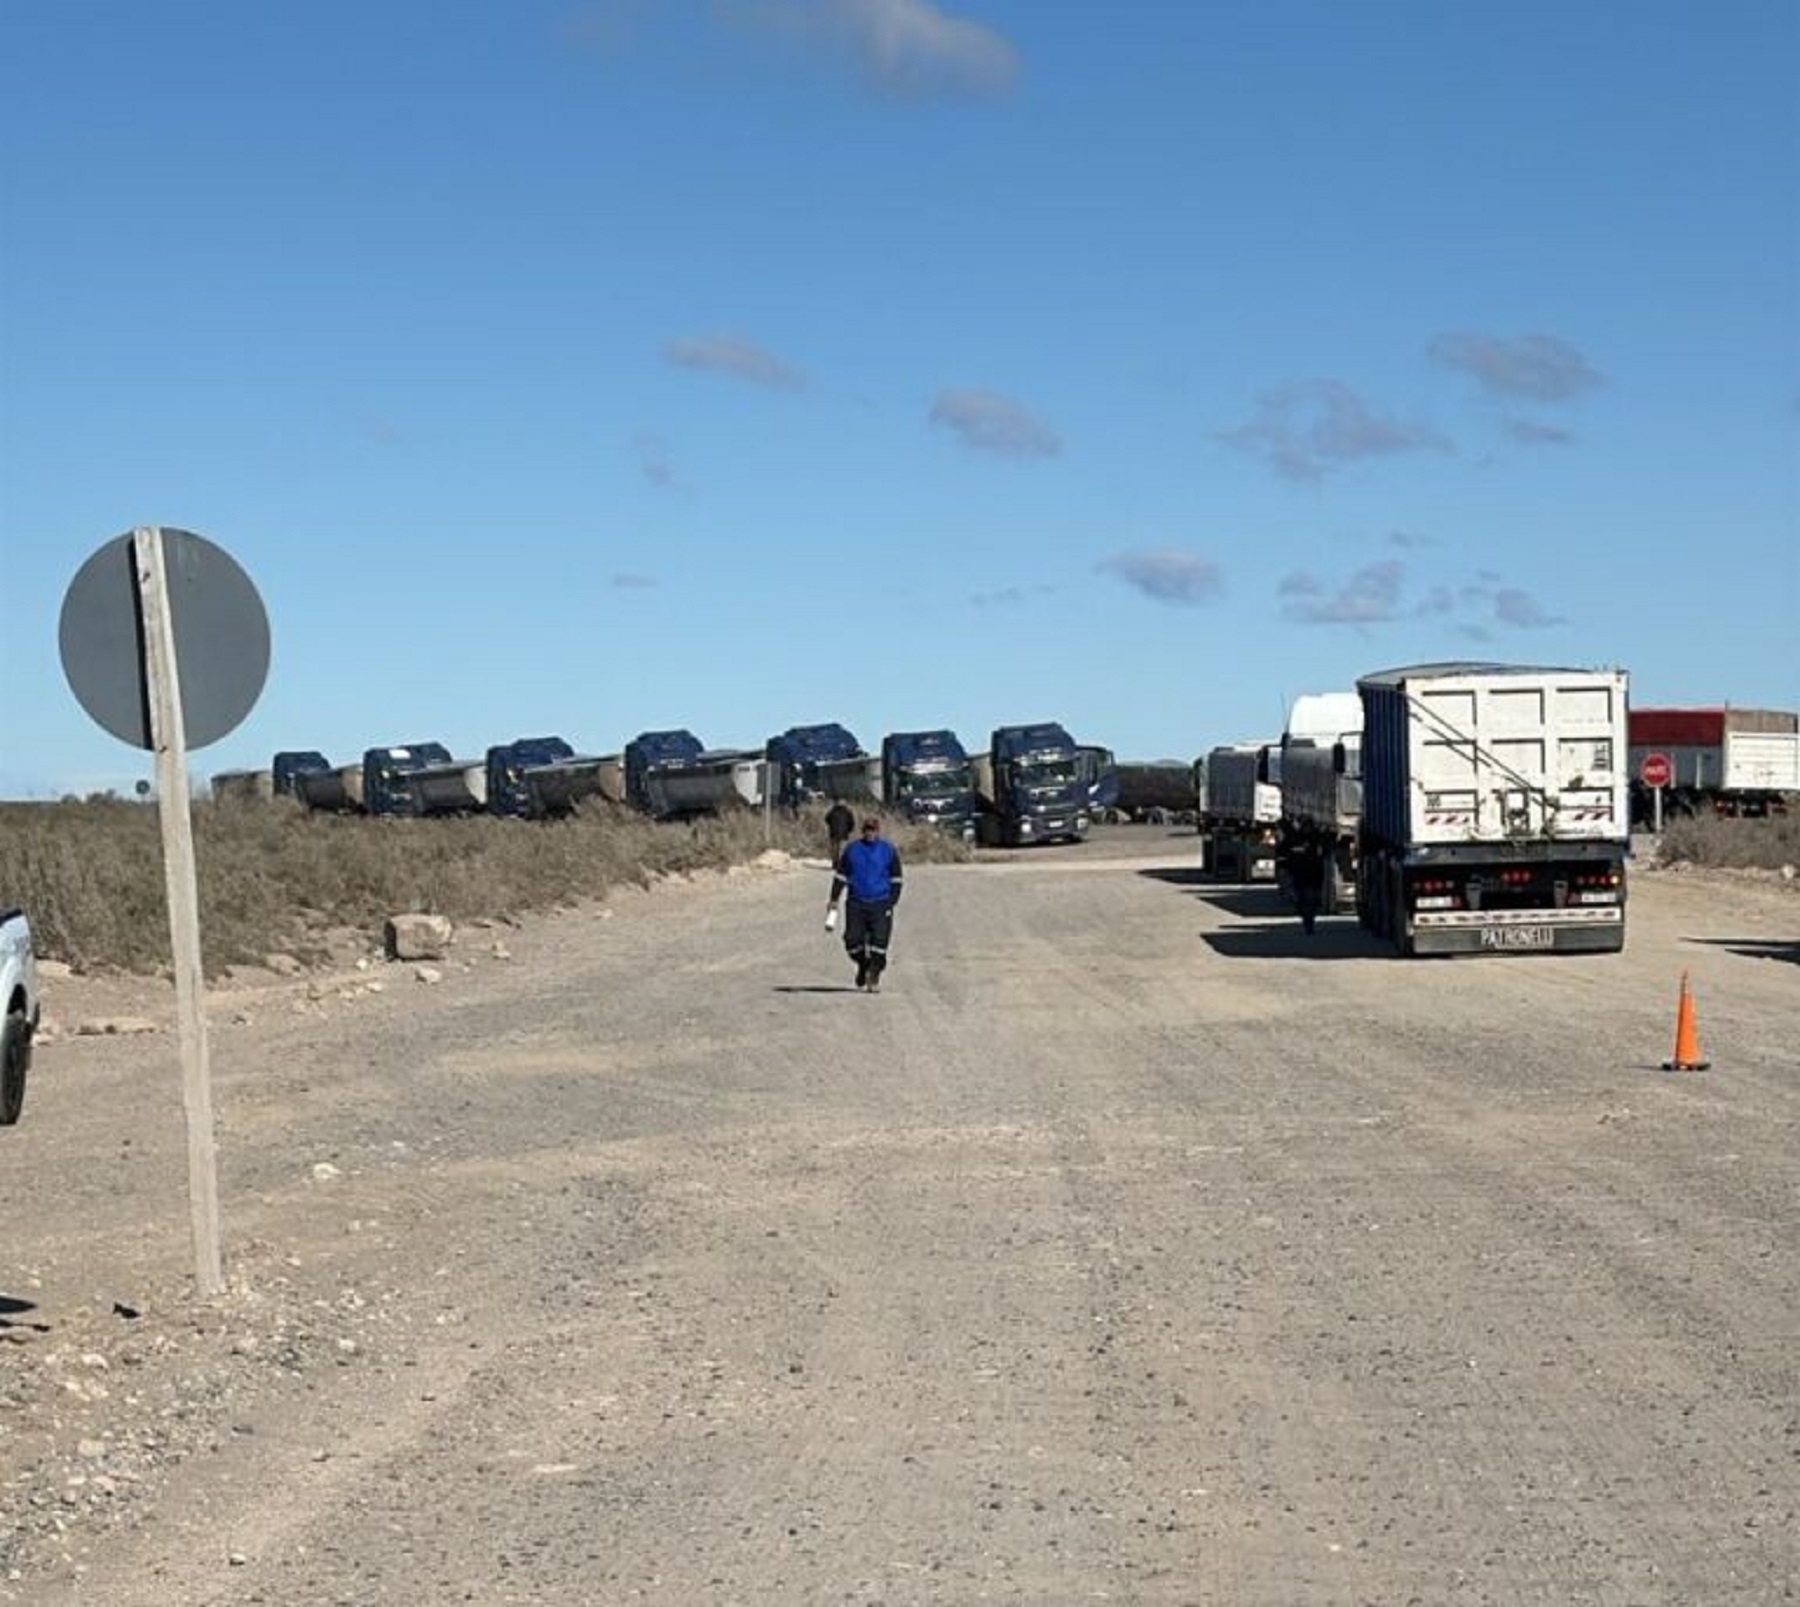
{"x": 15, "y": 1061}
{"x": 1396, "y": 913}
{"x": 1331, "y": 895}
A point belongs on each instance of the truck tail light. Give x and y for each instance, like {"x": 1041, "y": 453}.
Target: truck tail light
{"x": 1598, "y": 878}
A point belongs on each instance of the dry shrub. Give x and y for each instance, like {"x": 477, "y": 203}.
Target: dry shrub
{"x": 275, "y": 878}
{"x": 1765, "y": 844}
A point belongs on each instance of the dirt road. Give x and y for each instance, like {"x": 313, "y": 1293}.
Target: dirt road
{"x": 1129, "y": 1247}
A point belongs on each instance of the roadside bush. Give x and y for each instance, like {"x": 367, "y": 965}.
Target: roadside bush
{"x": 275, "y": 878}
{"x": 1766, "y": 844}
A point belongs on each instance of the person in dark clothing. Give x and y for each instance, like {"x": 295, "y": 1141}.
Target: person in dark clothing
{"x": 869, "y": 871}
{"x": 840, "y": 821}
{"x": 1306, "y": 876}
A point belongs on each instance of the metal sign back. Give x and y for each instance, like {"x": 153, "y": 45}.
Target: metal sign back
{"x": 221, "y": 639}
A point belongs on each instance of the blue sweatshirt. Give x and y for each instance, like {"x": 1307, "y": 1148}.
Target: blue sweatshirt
{"x": 870, "y": 868}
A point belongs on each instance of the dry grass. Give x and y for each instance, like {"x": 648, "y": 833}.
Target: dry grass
{"x": 1740, "y": 844}
{"x": 276, "y": 879}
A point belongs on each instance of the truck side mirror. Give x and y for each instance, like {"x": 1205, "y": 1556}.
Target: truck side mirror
{"x": 1340, "y": 760}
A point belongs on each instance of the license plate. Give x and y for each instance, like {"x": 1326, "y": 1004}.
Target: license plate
{"x": 1518, "y": 937}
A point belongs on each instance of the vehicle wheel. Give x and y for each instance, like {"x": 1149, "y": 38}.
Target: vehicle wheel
{"x": 15, "y": 1061}
{"x": 1396, "y": 914}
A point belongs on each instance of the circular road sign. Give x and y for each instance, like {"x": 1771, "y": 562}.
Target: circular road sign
{"x": 221, "y": 639}
{"x": 1655, "y": 770}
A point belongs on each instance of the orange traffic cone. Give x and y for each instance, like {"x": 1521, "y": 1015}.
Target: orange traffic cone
{"x": 1687, "y": 1035}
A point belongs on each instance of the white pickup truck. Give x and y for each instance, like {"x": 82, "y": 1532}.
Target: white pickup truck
{"x": 18, "y": 990}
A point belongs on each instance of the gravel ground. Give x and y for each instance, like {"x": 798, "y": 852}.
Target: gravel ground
{"x": 1129, "y": 1246}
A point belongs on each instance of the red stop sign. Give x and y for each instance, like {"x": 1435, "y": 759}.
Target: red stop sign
{"x": 1655, "y": 770}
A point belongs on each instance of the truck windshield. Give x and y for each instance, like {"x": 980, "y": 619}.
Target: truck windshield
{"x": 934, "y": 784}
{"x": 1049, "y": 772}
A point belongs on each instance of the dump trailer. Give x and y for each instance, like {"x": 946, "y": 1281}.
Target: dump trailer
{"x": 1495, "y": 808}
{"x": 703, "y": 787}
{"x": 926, "y": 778}
{"x": 1722, "y": 761}
{"x": 1240, "y": 814}
{"x": 243, "y": 786}
{"x": 750, "y": 778}
{"x": 809, "y": 763}
{"x": 1321, "y": 803}
{"x": 454, "y": 787}
{"x": 1032, "y": 786}
{"x": 307, "y": 776}
{"x": 1156, "y": 792}
{"x": 671, "y": 775}
{"x": 611, "y": 777}
{"x": 414, "y": 778}
{"x": 538, "y": 778}
{"x": 1319, "y": 771}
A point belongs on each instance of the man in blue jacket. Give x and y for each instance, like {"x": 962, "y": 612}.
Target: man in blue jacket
{"x": 869, "y": 869}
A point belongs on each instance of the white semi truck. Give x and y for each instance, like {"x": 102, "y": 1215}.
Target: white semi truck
{"x": 1495, "y": 808}
{"x": 1319, "y": 770}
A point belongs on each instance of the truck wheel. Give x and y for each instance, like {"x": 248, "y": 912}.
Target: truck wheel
{"x": 1396, "y": 916}
{"x": 15, "y": 1061}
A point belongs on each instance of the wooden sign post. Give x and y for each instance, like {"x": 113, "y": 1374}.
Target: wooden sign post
{"x": 169, "y": 739}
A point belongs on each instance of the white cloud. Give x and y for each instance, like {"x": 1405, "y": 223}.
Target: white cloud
{"x": 1368, "y": 597}
{"x": 901, "y": 47}
{"x": 1009, "y": 596}
{"x": 1530, "y": 432}
{"x": 726, "y": 354}
{"x": 1168, "y": 574}
{"x": 991, "y": 423}
{"x": 1305, "y": 430}
{"x": 1543, "y": 368}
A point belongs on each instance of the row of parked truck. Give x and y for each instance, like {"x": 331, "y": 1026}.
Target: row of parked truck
{"x": 1468, "y": 806}
{"x": 1033, "y": 783}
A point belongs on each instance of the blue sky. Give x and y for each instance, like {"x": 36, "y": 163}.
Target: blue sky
{"x": 599, "y": 367}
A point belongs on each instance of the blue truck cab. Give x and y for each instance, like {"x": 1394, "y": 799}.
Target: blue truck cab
{"x": 1101, "y": 775}
{"x": 811, "y": 762}
{"x": 1035, "y": 786}
{"x": 927, "y": 779}
{"x": 390, "y": 777}
{"x": 288, "y": 768}
{"x": 651, "y": 751}
{"x": 509, "y": 792}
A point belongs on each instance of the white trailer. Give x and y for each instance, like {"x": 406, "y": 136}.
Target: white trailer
{"x": 1495, "y": 808}
{"x": 1724, "y": 760}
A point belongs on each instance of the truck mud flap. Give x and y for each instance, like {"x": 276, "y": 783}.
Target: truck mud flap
{"x": 1522, "y": 936}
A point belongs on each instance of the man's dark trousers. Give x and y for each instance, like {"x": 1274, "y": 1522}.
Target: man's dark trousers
{"x": 867, "y": 928}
